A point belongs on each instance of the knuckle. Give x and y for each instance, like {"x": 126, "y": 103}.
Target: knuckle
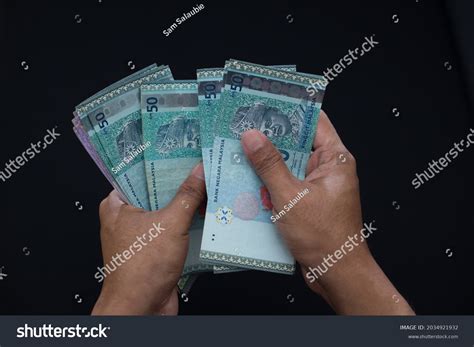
{"x": 343, "y": 157}
{"x": 103, "y": 206}
{"x": 352, "y": 164}
{"x": 326, "y": 156}
{"x": 266, "y": 160}
{"x": 190, "y": 190}
{"x": 352, "y": 159}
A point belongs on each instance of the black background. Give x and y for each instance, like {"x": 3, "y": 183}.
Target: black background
{"x": 70, "y": 61}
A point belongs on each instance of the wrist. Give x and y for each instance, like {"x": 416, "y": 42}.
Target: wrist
{"x": 358, "y": 286}
{"x": 328, "y": 261}
{"x": 328, "y": 270}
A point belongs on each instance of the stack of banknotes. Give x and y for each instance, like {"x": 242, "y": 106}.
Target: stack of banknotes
{"x": 147, "y": 131}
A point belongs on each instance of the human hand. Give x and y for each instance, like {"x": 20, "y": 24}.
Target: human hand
{"x": 324, "y": 220}
{"x": 151, "y": 247}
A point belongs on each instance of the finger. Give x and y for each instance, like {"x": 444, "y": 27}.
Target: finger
{"x": 326, "y": 145}
{"x": 326, "y": 134}
{"x": 190, "y": 194}
{"x": 266, "y": 160}
{"x": 110, "y": 206}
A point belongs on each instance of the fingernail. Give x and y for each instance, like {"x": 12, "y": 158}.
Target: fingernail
{"x": 198, "y": 171}
{"x": 253, "y": 140}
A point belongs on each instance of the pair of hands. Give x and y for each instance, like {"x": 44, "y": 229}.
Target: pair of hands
{"x": 317, "y": 226}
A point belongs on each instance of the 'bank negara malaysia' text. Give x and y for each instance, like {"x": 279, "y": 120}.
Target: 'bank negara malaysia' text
{"x": 219, "y": 169}
{"x": 183, "y": 18}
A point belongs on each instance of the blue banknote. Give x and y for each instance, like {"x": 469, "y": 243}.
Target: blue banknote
{"x": 171, "y": 132}
{"x": 238, "y": 230}
{"x": 210, "y": 84}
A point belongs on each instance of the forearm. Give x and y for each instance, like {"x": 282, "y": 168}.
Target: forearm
{"x": 109, "y": 305}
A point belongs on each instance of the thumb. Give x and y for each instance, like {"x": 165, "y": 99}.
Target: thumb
{"x": 190, "y": 195}
{"x": 267, "y": 161}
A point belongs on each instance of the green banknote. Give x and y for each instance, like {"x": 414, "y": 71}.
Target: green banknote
{"x": 209, "y": 90}
{"x": 83, "y": 136}
{"x": 238, "y": 230}
{"x": 105, "y": 163}
{"x": 85, "y": 141}
{"x": 171, "y": 130}
{"x": 210, "y": 84}
{"x": 113, "y": 123}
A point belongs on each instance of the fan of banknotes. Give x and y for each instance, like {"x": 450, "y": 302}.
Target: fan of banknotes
{"x": 147, "y": 131}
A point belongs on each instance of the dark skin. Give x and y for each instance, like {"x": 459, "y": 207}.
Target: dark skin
{"x": 318, "y": 225}
{"x": 146, "y": 283}
{"x": 323, "y": 220}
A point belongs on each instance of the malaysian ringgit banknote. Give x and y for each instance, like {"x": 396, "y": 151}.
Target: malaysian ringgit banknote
{"x": 113, "y": 124}
{"x": 84, "y": 139}
{"x": 171, "y": 127}
{"x": 210, "y": 84}
{"x": 104, "y": 162}
{"x": 238, "y": 230}
{"x": 185, "y": 282}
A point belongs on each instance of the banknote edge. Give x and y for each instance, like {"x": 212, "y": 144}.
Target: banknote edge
{"x": 121, "y": 90}
{"x": 223, "y": 269}
{"x": 273, "y": 72}
{"x": 146, "y": 70}
{"x": 246, "y": 262}
{"x": 171, "y": 85}
{"x": 217, "y": 72}
{"x": 201, "y": 267}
